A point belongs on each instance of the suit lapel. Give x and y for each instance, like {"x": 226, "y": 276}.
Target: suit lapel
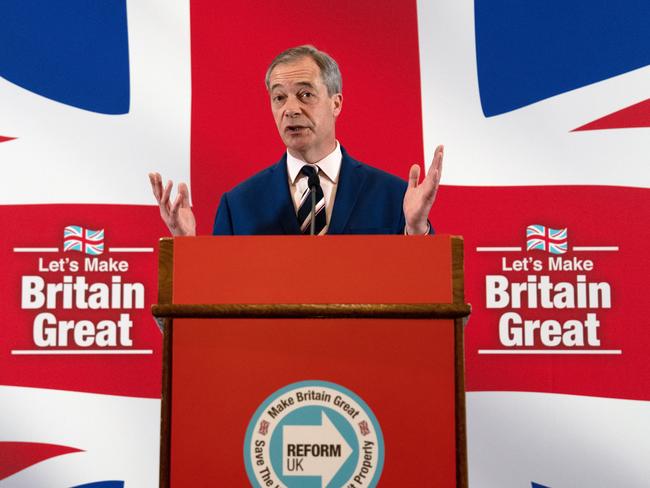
{"x": 351, "y": 179}
{"x": 280, "y": 198}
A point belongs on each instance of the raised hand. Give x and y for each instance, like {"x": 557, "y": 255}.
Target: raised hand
{"x": 419, "y": 197}
{"x": 177, "y": 216}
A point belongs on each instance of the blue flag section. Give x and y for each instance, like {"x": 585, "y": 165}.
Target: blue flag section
{"x": 530, "y": 51}
{"x": 74, "y": 52}
{"x": 537, "y": 485}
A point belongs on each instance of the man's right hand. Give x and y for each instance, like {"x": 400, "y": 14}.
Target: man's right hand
{"x": 177, "y": 216}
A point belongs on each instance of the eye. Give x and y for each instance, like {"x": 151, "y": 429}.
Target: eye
{"x": 277, "y": 98}
{"x": 306, "y": 95}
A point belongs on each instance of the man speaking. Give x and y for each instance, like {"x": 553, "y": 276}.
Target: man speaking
{"x": 316, "y": 187}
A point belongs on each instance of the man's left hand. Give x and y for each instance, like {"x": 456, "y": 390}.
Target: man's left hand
{"x": 419, "y": 197}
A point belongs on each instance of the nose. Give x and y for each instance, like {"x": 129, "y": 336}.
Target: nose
{"x": 292, "y": 107}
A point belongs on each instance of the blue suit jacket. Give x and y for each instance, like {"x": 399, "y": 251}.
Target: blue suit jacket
{"x": 367, "y": 201}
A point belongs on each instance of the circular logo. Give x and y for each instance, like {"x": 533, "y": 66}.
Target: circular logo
{"x": 314, "y": 434}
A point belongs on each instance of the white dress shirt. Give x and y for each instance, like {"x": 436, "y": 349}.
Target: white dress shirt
{"x": 329, "y": 168}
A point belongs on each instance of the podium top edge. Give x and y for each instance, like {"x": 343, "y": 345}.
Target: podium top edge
{"x": 314, "y": 310}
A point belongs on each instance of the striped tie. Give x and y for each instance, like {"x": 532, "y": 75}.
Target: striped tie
{"x": 304, "y": 209}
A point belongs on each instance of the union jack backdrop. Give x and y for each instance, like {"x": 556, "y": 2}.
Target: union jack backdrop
{"x": 543, "y": 108}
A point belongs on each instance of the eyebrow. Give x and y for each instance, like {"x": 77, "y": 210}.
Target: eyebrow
{"x": 299, "y": 83}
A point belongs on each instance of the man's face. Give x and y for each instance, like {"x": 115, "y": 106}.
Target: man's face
{"x": 304, "y": 112}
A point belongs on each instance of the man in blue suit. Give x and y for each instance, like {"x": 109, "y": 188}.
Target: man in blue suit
{"x": 304, "y": 86}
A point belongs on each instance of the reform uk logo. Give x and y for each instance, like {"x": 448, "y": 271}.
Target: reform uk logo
{"x": 314, "y": 433}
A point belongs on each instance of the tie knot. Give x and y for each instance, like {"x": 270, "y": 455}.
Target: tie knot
{"x": 312, "y": 174}
{"x": 309, "y": 170}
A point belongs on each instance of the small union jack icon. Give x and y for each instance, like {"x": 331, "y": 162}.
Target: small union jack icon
{"x": 264, "y": 427}
{"x": 542, "y": 238}
{"x": 76, "y": 238}
{"x": 363, "y": 427}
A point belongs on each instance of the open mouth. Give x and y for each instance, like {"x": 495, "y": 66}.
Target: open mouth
{"x": 295, "y": 129}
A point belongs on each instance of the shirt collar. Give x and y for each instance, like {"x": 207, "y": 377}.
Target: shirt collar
{"x": 330, "y": 165}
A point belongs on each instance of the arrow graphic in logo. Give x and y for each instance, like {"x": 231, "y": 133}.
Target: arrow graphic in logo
{"x": 314, "y": 450}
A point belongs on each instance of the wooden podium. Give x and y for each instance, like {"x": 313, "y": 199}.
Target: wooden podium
{"x": 312, "y": 361}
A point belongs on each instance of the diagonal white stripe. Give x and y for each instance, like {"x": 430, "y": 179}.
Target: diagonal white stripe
{"x": 517, "y": 437}
{"x": 304, "y": 196}
{"x": 319, "y": 206}
{"x": 129, "y": 429}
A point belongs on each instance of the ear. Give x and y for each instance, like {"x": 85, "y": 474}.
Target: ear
{"x": 337, "y": 104}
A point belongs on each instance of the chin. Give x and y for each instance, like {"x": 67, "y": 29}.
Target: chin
{"x": 298, "y": 146}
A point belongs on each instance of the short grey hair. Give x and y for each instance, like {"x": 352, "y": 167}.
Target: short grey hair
{"x": 329, "y": 69}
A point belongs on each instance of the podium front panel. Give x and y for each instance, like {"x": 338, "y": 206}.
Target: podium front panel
{"x": 312, "y": 269}
{"x": 224, "y": 370}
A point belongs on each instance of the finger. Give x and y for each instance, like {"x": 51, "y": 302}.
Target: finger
{"x": 441, "y": 154}
{"x": 184, "y": 192}
{"x": 156, "y": 185}
{"x": 437, "y": 161}
{"x": 414, "y": 176}
{"x": 438, "y": 157}
{"x": 435, "y": 170}
{"x": 164, "y": 201}
{"x": 176, "y": 206}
